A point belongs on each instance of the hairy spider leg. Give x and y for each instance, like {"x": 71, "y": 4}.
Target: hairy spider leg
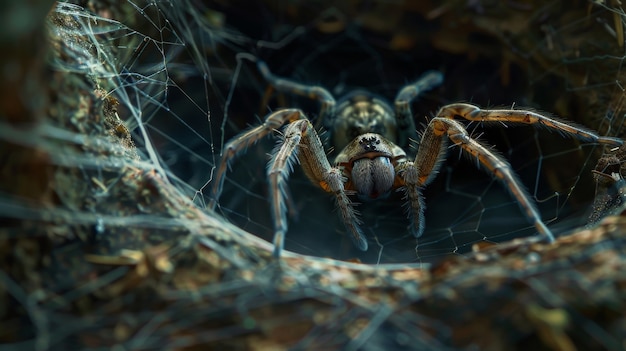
{"x": 428, "y": 163}
{"x": 326, "y": 100}
{"x": 412, "y": 176}
{"x": 402, "y": 103}
{"x": 494, "y": 164}
{"x": 244, "y": 140}
{"x": 475, "y": 113}
{"x": 301, "y": 143}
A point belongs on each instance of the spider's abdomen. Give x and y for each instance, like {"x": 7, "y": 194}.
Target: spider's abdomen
{"x": 372, "y": 178}
{"x": 360, "y": 114}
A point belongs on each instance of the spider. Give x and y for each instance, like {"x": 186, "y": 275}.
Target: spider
{"x": 371, "y": 163}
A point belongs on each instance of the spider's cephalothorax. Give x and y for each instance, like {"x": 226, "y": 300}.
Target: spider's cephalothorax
{"x": 371, "y": 161}
{"x": 368, "y": 162}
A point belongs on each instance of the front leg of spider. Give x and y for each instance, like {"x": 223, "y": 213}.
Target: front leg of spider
{"x": 566, "y": 128}
{"x": 439, "y": 128}
{"x": 240, "y": 143}
{"x": 494, "y": 164}
{"x": 301, "y": 143}
{"x": 414, "y": 175}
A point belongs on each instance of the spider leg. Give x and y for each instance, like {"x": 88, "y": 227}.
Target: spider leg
{"x": 301, "y": 140}
{"x": 327, "y": 101}
{"x": 407, "y": 94}
{"x": 414, "y": 175}
{"x": 409, "y": 174}
{"x": 440, "y": 127}
{"x": 475, "y": 113}
{"x": 240, "y": 143}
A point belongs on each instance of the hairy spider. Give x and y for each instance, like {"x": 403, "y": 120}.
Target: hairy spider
{"x": 371, "y": 163}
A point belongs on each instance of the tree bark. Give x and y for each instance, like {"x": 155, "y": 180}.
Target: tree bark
{"x": 99, "y": 249}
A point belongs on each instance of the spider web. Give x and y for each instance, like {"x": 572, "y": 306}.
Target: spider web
{"x": 187, "y": 85}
